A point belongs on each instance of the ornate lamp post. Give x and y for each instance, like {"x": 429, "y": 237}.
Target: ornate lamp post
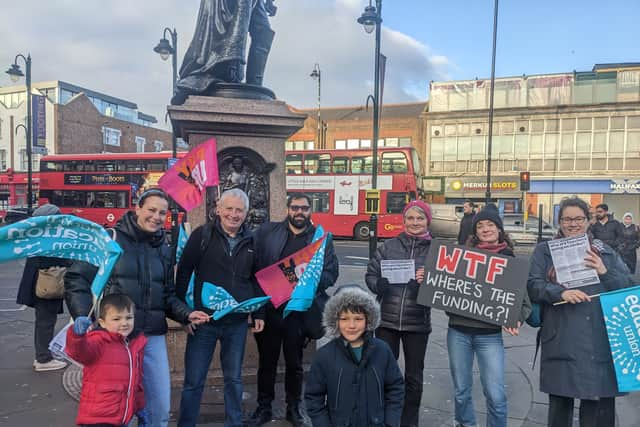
{"x": 16, "y": 73}
{"x": 372, "y": 18}
{"x": 317, "y": 74}
{"x": 166, "y": 49}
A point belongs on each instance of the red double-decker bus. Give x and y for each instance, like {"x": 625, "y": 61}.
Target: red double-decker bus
{"x": 13, "y": 191}
{"x": 100, "y": 187}
{"x": 337, "y": 180}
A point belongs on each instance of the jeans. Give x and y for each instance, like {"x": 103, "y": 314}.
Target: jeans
{"x": 156, "y": 381}
{"x": 489, "y": 350}
{"x": 285, "y": 333}
{"x": 46, "y": 317}
{"x": 197, "y": 358}
{"x": 414, "y": 347}
{"x": 593, "y": 413}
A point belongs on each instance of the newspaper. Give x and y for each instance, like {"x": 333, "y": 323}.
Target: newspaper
{"x": 398, "y": 271}
{"x": 59, "y": 343}
{"x": 568, "y": 259}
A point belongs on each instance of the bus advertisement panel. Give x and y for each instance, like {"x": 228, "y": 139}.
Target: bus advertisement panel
{"x": 337, "y": 180}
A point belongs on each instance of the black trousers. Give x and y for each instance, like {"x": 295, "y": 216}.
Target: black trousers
{"x": 46, "y": 317}
{"x": 593, "y": 413}
{"x": 414, "y": 347}
{"x": 286, "y": 334}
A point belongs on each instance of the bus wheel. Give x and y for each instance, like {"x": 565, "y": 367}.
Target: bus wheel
{"x": 361, "y": 232}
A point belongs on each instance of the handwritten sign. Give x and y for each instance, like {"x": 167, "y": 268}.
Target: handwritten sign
{"x": 474, "y": 283}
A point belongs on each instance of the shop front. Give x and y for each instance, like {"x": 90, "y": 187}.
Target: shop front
{"x": 505, "y": 191}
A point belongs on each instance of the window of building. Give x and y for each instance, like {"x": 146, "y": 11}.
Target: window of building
{"x": 340, "y": 165}
{"x": 568, "y": 125}
{"x": 550, "y": 145}
{"x": 464, "y": 148}
{"x": 450, "y": 148}
{"x": 310, "y": 145}
{"x": 158, "y": 145}
{"x": 536, "y": 145}
{"x": 111, "y": 136}
{"x": 35, "y": 160}
{"x": 552, "y": 125}
{"x": 394, "y": 162}
{"x": 616, "y": 144}
{"x": 353, "y": 144}
{"x": 362, "y": 164}
{"x": 478, "y": 147}
{"x": 437, "y": 149}
{"x": 3, "y": 160}
{"x": 537, "y": 126}
{"x": 298, "y": 145}
{"x": 288, "y": 146}
{"x": 601, "y": 123}
{"x": 341, "y": 144}
{"x": 599, "y": 143}
{"x": 521, "y": 148}
{"x": 503, "y": 146}
{"x": 617, "y": 122}
{"x": 404, "y": 142}
{"x": 584, "y": 124}
{"x": 293, "y": 164}
{"x": 317, "y": 163}
{"x": 583, "y": 144}
{"x": 633, "y": 122}
{"x": 633, "y": 145}
{"x": 392, "y": 142}
{"x": 140, "y": 143}
{"x": 567, "y": 145}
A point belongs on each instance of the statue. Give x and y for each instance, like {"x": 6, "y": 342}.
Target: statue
{"x": 216, "y": 54}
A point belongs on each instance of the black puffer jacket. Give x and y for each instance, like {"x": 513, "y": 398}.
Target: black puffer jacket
{"x": 611, "y": 232}
{"x": 398, "y": 305}
{"x": 144, "y": 272}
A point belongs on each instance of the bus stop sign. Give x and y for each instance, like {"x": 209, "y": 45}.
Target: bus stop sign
{"x": 372, "y": 199}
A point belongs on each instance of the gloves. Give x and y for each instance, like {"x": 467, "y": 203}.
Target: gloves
{"x": 81, "y": 324}
{"x": 143, "y": 417}
{"x": 382, "y": 284}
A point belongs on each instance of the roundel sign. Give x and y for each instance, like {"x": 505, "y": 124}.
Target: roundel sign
{"x": 111, "y": 217}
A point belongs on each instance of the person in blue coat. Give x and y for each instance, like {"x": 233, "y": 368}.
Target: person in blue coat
{"x": 355, "y": 379}
{"x": 575, "y": 358}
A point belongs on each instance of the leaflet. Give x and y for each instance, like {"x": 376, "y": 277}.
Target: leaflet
{"x": 568, "y": 259}
{"x": 398, "y": 271}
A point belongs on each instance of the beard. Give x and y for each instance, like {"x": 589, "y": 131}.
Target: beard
{"x": 299, "y": 221}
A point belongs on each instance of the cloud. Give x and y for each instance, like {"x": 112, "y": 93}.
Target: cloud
{"x": 107, "y": 47}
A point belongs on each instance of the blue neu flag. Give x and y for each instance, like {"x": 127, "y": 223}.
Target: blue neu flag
{"x": 621, "y": 311}
{"x": 305, "y": 290}
{"x": 62, "y": 236}
{"x": 182, "y": 241}
{"x": 222, "y": 303}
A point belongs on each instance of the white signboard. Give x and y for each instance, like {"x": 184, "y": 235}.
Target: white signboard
{"x": 310, "y": 182}
{"x": 384, "y": 182}
{"x": 346, "y": 196}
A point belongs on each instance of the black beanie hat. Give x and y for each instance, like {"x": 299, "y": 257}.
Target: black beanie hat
{"x": 489, "y": 212}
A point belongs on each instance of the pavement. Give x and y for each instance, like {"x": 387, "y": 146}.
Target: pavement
{"x": 30, "y": 399}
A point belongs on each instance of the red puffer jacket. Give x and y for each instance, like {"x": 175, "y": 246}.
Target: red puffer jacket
{"x": 112, "y": 376}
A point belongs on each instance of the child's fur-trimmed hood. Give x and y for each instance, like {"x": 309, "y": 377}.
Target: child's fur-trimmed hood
{"x": 345, "y": 296}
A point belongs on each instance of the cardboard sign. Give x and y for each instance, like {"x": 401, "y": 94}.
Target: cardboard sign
{"x": 474, "y": 283}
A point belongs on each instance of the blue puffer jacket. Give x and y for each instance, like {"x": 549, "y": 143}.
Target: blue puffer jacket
{"x": 344, "y": 393}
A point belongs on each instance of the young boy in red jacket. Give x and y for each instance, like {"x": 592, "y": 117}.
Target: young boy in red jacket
{"x": 112, "y": 357}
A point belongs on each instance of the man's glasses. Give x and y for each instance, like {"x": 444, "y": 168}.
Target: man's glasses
{"x": 577, "y": 220}
{"x": 296, "y": 208}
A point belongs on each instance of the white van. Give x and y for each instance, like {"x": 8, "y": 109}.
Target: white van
{"x": 446, "y": 220}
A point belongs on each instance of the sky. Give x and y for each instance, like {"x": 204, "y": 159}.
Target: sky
{"x": 108, "y": 46}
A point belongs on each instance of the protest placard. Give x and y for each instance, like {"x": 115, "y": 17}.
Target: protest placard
{"x": 568, "y": 259}
{"x": 474, "y": 283}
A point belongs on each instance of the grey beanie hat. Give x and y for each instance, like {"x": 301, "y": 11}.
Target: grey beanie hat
{"x": 46, "y": 210}
{"x": 350, "y": 296}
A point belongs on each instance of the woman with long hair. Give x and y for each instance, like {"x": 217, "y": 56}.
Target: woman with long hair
{"x": 575, "y": 358}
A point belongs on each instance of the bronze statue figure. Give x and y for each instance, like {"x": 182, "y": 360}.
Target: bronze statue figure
{"x": 217, "y": 52}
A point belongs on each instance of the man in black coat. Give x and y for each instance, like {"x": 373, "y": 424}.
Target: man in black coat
{"x": 275, "y": 241}
{"x": 606, "y": 228}
{"x": 466, "y": 224}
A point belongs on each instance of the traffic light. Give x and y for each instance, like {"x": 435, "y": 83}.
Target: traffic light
{"x": 525, "y": 182}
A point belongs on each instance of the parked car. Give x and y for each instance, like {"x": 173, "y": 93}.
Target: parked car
{"x": 526, "y": 233}
{"x": 445, "y": 222}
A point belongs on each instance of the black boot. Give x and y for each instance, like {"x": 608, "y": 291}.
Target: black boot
{"x": 261, "y": 415}
{"x": 296, "y": 415}
{"x": 257, "y": 59}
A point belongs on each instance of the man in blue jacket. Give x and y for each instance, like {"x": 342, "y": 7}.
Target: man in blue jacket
{"x": 275, "y": 241}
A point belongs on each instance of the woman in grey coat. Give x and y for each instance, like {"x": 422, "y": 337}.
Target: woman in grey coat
{"x": 575, "y": 360}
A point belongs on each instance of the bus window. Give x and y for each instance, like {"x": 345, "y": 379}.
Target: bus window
{"x": 317, "y": 163}
{"x": 111, "y": 199}
{"x": 394, "y": 162}
{"x": 397, "y": 201}
{"x": 293, "y": 164}
{"x": 319, "y": 200}
{"x": 75, "y": 199}
{"x": 157, "y": 165}
{"x": 362, "y": 164}
{"x": 105, "y": 166}
{"x": 73, "y": 166}
{"x": 340, "y": 164}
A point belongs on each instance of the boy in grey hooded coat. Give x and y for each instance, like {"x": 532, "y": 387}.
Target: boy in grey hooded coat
{"x": 355, "y": 380}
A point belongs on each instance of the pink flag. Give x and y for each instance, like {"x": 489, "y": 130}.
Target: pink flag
{"x": 279, "y": 279}
{"x": 186, "y": 181}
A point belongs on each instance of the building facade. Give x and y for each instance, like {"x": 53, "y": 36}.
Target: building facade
{"x": 576, "y": 133}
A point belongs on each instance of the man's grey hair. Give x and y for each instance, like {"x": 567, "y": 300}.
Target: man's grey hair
{"x": 237, "y": 193}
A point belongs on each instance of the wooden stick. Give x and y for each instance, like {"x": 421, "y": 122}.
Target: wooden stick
{"x": 565, "y": 302}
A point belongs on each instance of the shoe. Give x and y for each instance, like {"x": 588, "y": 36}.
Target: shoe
{"x": 52, "y": 365}
{"x": 260, "y": 416}
{"x": 297, "y": 416}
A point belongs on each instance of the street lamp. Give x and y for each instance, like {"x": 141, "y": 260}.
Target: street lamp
{"x": 317, "y": 74}
{"x": 493, "y": 82}
{"x": 166, "y": 49}
{"x": 372, "y": 18}
{"x": 15, "y": 73}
